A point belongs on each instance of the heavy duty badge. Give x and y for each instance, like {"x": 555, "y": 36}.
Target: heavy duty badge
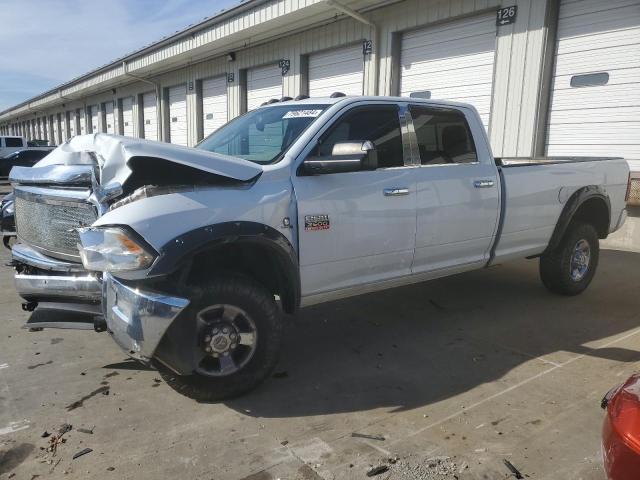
{"x": 316, "y": 222}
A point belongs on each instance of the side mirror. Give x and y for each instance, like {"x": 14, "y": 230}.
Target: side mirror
{"x": 345, "y": 157}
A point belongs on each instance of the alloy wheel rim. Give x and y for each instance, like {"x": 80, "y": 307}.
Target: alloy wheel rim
{"x": 580, "y": 260}
{"x": 228, "y": 339}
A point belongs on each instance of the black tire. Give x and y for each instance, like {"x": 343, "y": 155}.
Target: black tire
{"x": 556, "y": 266}
{"x": 260, "y": 305}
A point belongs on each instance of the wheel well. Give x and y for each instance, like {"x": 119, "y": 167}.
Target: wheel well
{"x": 260, "y": 262}
{"x": 594, "y": 211}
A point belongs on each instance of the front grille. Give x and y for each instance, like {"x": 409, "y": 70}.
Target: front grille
{"x": 50, "y": 225}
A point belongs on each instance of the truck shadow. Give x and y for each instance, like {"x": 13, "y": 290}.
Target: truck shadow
{"x": 413, "y": 346}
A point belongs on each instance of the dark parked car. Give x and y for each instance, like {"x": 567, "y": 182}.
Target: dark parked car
{"x": 27, "y": 157}
{"x": 621, "y": 431}
{"x": 7, "y": 220}
{"x": 38, "y": 143}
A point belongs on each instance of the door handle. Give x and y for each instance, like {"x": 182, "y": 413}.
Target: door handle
{"x": 483, "y": 183}
{"x": 395, "y": 191}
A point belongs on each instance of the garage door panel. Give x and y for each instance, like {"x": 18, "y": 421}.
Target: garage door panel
{"x": 178, "y": 115}
{"x": 595, "y": 115}
{"x": 127, "y": 117}
{"x": 620, "y": 133}
{"x": 338, "y": 70}
{"x": 149, "y": 114}
{"x": 605, "y": 17}
{"x": 599, "y": 60}
{"x": 616, "y": 77}
{"x": 263, "y": 84}
{"x": 588, "y": 97}
{"x": 600, "y": 40}
{"x": 454, "y": 78}
{"x": 595, "y": 36}
{"x": 109, "y": 118}
{"x": 214, "y": 104}
{"x": 454, "y": 61}
{"x": 628, "y": 152}
{"x": 464, "y": 31}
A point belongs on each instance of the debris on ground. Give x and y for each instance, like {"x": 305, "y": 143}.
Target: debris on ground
{"x": 64, "y": 428}
{"x": 373, "y": 471}
{"x": 368, "y": 437}
{"x": 82, "y": 452}
{"x": 87, "y": 430}
{"x": 514, "y": 470}
{"x": 424, "y": 468}
{"x": 45, "y": 434}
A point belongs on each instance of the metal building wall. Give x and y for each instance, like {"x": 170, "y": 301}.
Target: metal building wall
{"x": 516, "y": 92}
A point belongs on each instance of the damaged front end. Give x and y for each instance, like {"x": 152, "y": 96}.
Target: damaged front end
{"x": 58, "y": 201}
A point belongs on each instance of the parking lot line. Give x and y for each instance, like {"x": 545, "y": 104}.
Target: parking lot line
{"x": 514, "y": 387}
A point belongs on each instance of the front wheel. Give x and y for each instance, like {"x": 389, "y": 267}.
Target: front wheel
{"x": 238, "y": 336}
{"x": 570, "y": 267}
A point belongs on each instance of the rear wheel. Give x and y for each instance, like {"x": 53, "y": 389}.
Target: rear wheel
{"x": 570, "y": 267}
{"x": 238, "y": 337}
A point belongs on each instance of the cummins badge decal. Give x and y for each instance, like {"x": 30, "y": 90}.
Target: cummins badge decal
{"x": 316, "y": 222}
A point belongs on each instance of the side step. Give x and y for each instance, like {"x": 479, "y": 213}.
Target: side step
{"x": 67, "y": 316}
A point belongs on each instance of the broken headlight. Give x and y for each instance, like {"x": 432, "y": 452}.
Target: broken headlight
{"x": 112, "y": 249}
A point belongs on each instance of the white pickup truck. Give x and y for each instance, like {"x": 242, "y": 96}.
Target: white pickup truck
{"x": 189, "y": 256}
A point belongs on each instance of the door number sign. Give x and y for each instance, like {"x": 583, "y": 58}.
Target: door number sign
{"x": 506, "y": 15}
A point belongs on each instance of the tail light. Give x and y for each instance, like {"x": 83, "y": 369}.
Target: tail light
{"x": 624, "y": 411}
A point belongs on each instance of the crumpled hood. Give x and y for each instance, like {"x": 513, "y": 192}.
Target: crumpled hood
{"x": 113, "y": 153}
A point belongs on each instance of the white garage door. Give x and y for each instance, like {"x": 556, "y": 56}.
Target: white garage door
{"x": 339, "y": 70}
{"x": 263, "y": 84}
{"x": 214, "y": 104}
{"x": 109, "y": 118}
{"x": 83, "y": 122}
{"x": 72, "y": 124}
{"x": 178, "y": 115}
{"x": 54, "y": 126}
{"x": 595, "y": 103}
{"x": 149, "y": 116}
{"x": 93, "y": 118}
{"x": 452, "y": 61}
{"x": 127, "y": 116}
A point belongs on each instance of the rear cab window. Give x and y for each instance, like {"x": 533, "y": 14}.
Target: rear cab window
{"x": 443, "y": 136}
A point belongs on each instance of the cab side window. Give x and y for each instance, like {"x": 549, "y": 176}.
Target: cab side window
{"x": 443, "y": 136}
{"x": 379, "y": 124}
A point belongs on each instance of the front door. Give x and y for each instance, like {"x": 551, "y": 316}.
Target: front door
{"x": 457, "y": 192}
{"x": 358, "y": 228}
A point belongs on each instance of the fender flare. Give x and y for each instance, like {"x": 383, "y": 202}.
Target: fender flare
{"x": 178, "y": 251}
{"x": 571, "y": 207}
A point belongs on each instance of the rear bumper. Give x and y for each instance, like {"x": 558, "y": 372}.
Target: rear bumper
{"x": 136, "y": 319}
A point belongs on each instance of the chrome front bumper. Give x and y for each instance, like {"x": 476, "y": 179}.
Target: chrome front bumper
{"x": 56, "y": 279}
{"x": 138, "y": 320}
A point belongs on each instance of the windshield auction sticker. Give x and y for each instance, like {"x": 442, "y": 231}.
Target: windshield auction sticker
{"x": 302, "y": 114}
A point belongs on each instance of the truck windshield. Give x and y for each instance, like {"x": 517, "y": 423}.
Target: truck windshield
{"x": 262, "y": 135}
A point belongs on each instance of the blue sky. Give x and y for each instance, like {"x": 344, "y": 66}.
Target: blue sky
{"x": 48, "y": 42}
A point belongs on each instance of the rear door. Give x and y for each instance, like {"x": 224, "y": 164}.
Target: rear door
{"x": 353, "y": 228}
{"x": 458, "y": 194}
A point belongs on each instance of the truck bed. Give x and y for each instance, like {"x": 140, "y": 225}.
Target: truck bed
{"x": 535, "y": 190}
